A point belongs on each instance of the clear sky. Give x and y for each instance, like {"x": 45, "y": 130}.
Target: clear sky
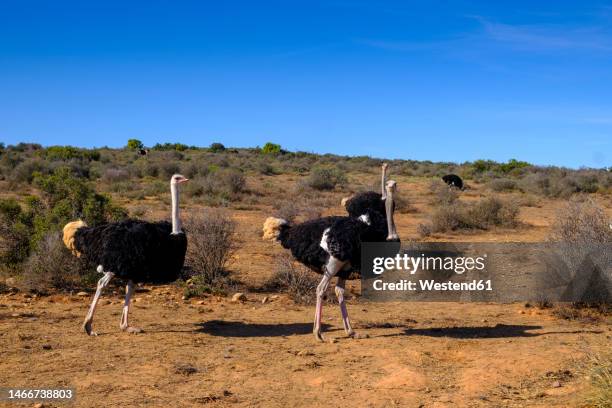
{"x": 443, "y": 81}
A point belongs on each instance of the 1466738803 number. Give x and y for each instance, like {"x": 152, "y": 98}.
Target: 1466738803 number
{"x": 36, "y": 394}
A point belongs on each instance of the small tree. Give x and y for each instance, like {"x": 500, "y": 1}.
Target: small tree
{"x": 135, "y": 144}
{"x": 271, "y": 148}
{"x": 216, "y": 148}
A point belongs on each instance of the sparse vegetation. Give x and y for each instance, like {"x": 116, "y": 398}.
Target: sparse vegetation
{"x": 482, "y": 214}
{"x": 211, "y": 245}
{"x": 294, "y": 279}
{"x": 56, "y": 184}
{"x": 598, "y": 370}
{"x": 326, "y": 178}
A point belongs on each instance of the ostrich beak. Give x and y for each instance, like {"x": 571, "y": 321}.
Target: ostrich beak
{"x": 184, "y": 180}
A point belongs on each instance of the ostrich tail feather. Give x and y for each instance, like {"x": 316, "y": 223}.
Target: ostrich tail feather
{"x": 70, "y": 230}
{"x": 272, "y": 227}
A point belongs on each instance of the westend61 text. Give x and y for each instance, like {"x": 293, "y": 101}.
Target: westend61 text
{"x": 431, "y": 285}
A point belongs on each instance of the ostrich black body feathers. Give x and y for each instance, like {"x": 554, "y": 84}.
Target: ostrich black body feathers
{"x": 364, "y": 202}
{"x": 342, "y": 237}
{"x": 134, "y": 250}
{"x": 453, "y": 180}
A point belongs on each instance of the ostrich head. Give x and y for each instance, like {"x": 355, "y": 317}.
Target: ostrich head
{"x": 390, "y": 188}
{"x": 178, "y": 179}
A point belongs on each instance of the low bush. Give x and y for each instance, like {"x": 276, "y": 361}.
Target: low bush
{"x": 211, "y": 245}
{"x": 51, "y": 265}
{"x": 502, "y": 184}
{"x": 326, "y": 178}
{"x": 442, "y": 193}
{"x": 483, "y": 214}
{"x": 583, "y": 240}
{"x": 297, "y": 281}
{"x": 114, "y": 175}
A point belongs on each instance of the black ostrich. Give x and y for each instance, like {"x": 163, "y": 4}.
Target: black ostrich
{"x": 143, "y": 152}
{"x": 133, "y": 250}
{"x": 453, "y": 180}
{"x": 332, "y": 246}
{"x": 369, "y": 200}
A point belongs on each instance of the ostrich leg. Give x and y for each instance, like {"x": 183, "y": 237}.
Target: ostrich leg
{"x": 102, "y": 283}
{"x": 129, "y": 291}
{"x": 345, "y": 317}
{"x": 331, "y": 269}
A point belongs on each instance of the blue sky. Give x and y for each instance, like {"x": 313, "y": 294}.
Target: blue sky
{"x": 442, "y": 81}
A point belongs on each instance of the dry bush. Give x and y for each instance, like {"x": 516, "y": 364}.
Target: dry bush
{"x": 52, "y": 266}
{"x": 299, "y": 282}
{"x": 299, "y": 210}
{"x": 326, "y": 178}
{"x": 483, "y": 214}
{"x": 492, "y": 211}
{"x": 443, "y": 194}
{"x": 114, "y": 175}
{"x": 211, "y": 245}
{"x": 502, "y": 184}
{"x": 582, "y": 221}
{"x": 598, "y": 369}
{"x": 226, "y": 184}
{"x": 583, "y": 240}
{"x": 403, "y": 204}
{"x": 582, "y": 312}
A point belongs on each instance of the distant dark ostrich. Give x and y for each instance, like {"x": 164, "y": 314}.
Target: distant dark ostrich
{"x": 332, "y": 246}
{"x": 368, "y": 200}
{"x": 143, "y": 152}
{"x": 453, "y": 180}
{"x": 133, "y": 250}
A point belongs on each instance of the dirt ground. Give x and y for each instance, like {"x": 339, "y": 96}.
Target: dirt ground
{"x": 212, "y": 352}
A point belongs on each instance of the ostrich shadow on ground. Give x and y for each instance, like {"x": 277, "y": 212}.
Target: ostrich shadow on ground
{"x": 482, "y": 332}
{"x": 242, "y": 329}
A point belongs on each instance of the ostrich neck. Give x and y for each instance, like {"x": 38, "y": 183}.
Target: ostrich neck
{"x": 176, "y": 221}
{"x": 389, "y": 210}
{"x": 384, "y": 180}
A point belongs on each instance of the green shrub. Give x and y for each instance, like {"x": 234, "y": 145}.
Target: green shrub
{"x": 180, "y": 147}
{"x": 134, "y": 144}
{"x": 67, "y": 198}
{"x": 15, "y": 231}
{"x": 216, "y": 148}
{"x": 271, "y": 148}
{"x": 65, "y": 153}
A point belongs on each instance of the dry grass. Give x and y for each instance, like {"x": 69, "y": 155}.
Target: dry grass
{"x": 296, "y": 280}
{"x": 599, "y": 372}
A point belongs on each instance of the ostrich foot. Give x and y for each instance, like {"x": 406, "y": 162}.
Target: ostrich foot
{"x": 132, "y": 329}
{"x": 318, "y": 335}
{"x": 87, "y": 328}
{"x": 354, "y": 335}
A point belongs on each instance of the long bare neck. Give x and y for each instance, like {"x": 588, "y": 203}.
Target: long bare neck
{"x": 392, "y": 233}
{"x": 176, "y": 220}
{"x": 384, "y": 182}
